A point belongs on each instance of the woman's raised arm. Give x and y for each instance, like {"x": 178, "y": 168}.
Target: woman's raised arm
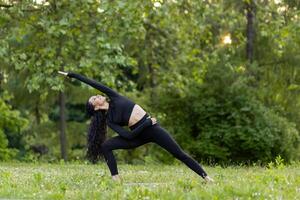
{"x": 110, "y": 92}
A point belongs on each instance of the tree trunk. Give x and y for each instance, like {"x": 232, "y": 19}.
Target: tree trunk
{"x": 149, "y": 57}
{"x": 62, "y": 103}
{"x": 37, "y": 112}
{"x": 250, "y": 7}
{"x": 62, "y": 128}
{"x": 1, "y": 79}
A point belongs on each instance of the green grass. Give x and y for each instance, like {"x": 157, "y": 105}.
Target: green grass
{"x": 80, "y": 181}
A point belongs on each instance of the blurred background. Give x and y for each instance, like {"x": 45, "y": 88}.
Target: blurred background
{"x": 222, "y": 76}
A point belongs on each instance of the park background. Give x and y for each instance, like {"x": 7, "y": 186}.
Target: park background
{"x": 221, "y": 76}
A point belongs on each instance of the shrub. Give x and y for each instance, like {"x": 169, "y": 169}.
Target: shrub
{"x": 221, "y": 120}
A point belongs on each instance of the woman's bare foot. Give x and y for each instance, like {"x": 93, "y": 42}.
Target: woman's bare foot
{"x": 116, "y": 178}
{"x": 208, "y": 179}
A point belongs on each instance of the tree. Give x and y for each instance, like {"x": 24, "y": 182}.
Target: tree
{"x": 60, "y": 35}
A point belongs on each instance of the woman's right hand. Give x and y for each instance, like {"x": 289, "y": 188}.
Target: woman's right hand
{"x": 63, "y": 73}
{"x": 154, "y": 121}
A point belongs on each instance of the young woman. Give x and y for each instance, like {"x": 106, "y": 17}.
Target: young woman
{"x": 120, "y": 111}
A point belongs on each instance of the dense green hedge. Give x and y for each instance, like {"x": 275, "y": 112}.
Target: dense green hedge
{"x": 11, "y": 124}
{"x": 221, "y": 120}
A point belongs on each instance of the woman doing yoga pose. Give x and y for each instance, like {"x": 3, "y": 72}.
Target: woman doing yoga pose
{"x": 120, "y": 111}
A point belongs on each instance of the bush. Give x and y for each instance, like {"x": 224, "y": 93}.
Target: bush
{"x": 10, "y": 125}
{"x": 221, "y": 120}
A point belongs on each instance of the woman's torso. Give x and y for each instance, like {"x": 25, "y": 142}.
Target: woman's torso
{"x": 124, "y": 112}
{"x": 136, "y": 115}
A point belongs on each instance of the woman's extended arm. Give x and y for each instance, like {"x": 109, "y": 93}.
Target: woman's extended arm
{"x": 130, "y": 134}
{"x": 94, "y": 84}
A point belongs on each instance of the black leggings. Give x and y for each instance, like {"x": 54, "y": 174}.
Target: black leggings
{"x": 156, "y": 134}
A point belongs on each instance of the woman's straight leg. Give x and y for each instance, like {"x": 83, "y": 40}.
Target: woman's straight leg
{"x": 118, "y": 142}
{"x": 161, "y": 137}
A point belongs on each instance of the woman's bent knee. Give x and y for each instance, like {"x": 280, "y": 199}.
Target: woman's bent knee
{"x": 105, "y": 146}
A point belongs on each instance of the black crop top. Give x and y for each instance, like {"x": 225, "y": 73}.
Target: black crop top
{"x": 119, "y": 111}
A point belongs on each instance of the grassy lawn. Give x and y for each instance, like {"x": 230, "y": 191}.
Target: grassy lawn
{"x": 80, "y": 181}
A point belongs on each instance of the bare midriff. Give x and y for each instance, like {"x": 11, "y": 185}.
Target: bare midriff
{"x": 136, "y": 115}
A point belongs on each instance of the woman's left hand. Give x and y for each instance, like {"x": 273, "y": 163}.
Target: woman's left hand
{"x": 154, "y": 121}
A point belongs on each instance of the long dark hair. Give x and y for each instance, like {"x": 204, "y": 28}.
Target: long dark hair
{"x": 97, "y": 132}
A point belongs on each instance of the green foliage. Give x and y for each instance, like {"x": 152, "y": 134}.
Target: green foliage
{"x": 217, "y": 105}
{"x": 11, "y": 124}
{"x": 222, "y": 120}
{"x": 278, "y": 164}
{"x": 70, "y": 35}
{"x": 4, "y": 152}
{"x": 278, "y": 65}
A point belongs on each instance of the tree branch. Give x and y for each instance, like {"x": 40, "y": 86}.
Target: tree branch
{"x": 152, "y": 26}
{"x": 6, "y": 5}
{"x": 25, "y": 10}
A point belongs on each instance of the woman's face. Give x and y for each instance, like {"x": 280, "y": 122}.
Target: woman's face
{"x": 97, "y": 101}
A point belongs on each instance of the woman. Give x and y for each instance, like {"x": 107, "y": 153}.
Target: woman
{"x": 118, "y": 112}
